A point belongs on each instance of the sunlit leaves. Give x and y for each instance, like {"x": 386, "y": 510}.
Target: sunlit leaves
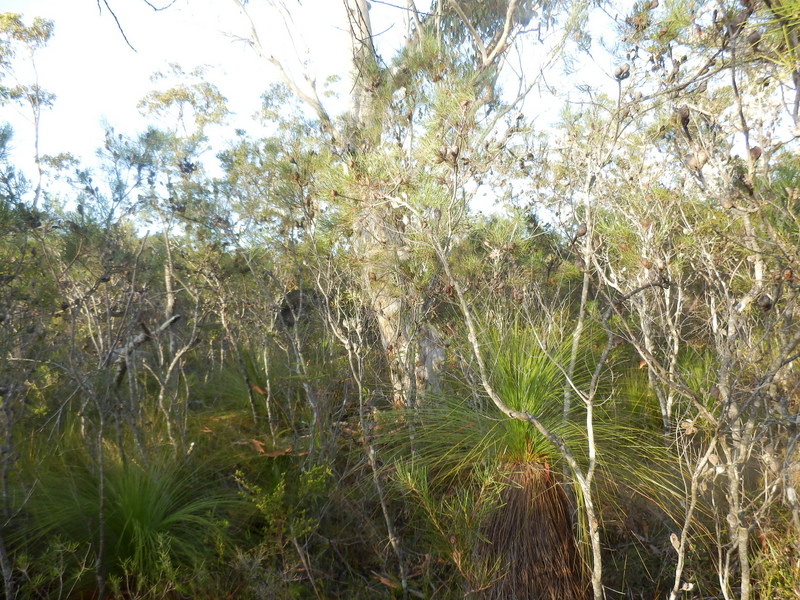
{"x": 13, "y": 30}
{"x": 191, "y": 103}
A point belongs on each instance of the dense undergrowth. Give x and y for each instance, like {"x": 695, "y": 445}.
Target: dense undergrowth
{"x": 259, "y": 509}
{"x": 320, "y": 373}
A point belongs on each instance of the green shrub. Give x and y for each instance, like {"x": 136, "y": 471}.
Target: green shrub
{"x": 160, "y": 524}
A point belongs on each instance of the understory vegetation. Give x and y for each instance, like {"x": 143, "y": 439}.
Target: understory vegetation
{"x": 316, "y": 370}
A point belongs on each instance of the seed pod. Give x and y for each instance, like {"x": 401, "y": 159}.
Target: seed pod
{"x": 683, "y": 115}
{"x": 697, "y": 161}
{"x": 622, "y": 72}
{"x": 765, "y": 302}
{"x": 452, "y": 154}
{"x": 580, "y": 232}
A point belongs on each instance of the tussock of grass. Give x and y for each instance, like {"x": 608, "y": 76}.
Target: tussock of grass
{"x": 159, "y": 520}
{"x": 533, "y": 538}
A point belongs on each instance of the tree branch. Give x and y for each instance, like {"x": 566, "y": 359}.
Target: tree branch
{"x": 500, "y": 46}
{"x": 311, "y": 99}
{"x": 146, "y": 335}
{"x": 476, "y": 38}
{"x": 116, "y": 20}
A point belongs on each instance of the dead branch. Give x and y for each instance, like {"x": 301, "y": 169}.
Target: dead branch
{"x": 122, "y": 355}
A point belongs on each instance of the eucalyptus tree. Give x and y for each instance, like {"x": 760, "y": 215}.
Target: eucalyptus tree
{"x": 21, "y": 314}
{"x": 423, "y": 133}
{"x": 175, "y": 195}
{"x": 24, "y": 88}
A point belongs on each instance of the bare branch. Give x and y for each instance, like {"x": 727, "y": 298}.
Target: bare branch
{"x": 116, "y": 20}
{"x": 145, "y": 336}
{"x": 311, "y": 99}
{"x": 159, "y": 8}
{"x": 476, "y": 38}
{"x": 500, "y": 46}
{"x": 414, "y": 14}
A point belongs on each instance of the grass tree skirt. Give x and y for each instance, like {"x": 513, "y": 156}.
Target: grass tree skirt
{"x": 529, "y": 542}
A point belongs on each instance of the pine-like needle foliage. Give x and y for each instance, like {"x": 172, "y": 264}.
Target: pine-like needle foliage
{"x": 521, "y": 541}
{"x": 512, "y": 482}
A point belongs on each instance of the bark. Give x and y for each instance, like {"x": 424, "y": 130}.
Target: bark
{"x": 412, "y": 350}
{"x": 582, "y": 477}
{"x": 412, "y": 347}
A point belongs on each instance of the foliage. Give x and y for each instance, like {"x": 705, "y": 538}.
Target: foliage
{"x": 479, "y": 476}
{"x": 159, "y": 525}
{"x": 289, "y": 512}
{"x": 315, "y": 313}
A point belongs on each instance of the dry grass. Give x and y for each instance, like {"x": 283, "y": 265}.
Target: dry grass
{"x": 532, "y": 541}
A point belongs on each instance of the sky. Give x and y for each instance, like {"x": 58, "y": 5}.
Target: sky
{"x": 98, "y": 79}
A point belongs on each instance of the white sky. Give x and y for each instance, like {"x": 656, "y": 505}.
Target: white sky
{"x": 99, "y": 80}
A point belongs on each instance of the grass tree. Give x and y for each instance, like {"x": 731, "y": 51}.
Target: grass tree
{"x": 512, "y": 491}
{"x": 161, "y": 525}
{"x": 527, "y": 545}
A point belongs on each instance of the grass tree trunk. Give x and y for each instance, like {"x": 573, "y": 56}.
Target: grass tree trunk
{"x": 530, "y": 540}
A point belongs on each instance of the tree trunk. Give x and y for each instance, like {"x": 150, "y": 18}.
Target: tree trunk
{"x": 412, "y": 348}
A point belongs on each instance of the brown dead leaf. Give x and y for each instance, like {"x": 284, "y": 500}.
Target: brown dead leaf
{"x": 258, "y": 445}
{"x": 386, "y": 581}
